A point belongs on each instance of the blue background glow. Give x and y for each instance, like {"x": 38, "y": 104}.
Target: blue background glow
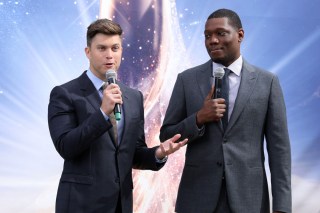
{"x": 42, "y": 45}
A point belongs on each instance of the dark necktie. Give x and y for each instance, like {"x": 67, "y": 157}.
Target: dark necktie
{"x": 112, "y": 120}
{"x": 225, "y": 95}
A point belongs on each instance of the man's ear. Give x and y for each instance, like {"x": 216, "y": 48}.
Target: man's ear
{"x": 240, "y": 34}
{"x": 87, "y": 51}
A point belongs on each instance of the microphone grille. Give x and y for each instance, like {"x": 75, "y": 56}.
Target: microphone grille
{"x": 111, "y": 74}
{"x": 219, "y": 72}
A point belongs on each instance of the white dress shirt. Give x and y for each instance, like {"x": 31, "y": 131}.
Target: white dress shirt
{"x": 234, "y": 81}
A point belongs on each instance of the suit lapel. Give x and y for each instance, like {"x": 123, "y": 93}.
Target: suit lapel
{"x": 204, "y": 78}
{"x": 89, "y": 91}
{"x": 125, "y": 107}
{"x": 91, "y": 94}
{"x": 205, "y": 82}
{"x": 247, "y": 84}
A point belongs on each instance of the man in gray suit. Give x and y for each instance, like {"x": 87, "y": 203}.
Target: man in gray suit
{"x": 224, "y": 167}
{"x": 98, "y": 161}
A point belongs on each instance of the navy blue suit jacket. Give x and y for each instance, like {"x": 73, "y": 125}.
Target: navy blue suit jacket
{"x": 96, "y": 171}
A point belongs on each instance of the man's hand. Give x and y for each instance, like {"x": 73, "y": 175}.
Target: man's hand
{"x": 170, "y": 146}
{"x": 111, "y": 97}
{"x": 212, "y": 109}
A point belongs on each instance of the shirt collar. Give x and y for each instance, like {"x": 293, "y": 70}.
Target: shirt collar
{"x": 97, "y": 82}
{"x": 235, "y": 67}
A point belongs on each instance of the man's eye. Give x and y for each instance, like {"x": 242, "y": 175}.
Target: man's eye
{"x": 101, "y": 48}
{"x": 207, "y": 36}
{"x": 222, "y": 33}
{"x": 116, "y": 48}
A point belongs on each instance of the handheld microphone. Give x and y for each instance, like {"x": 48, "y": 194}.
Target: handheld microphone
{"x": 111, "y": 77}
{"x": 218, "y": 75}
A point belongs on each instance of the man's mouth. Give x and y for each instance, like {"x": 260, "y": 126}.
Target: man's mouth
{"x": 215, "y": 50}
{"x": 109, "y": 65}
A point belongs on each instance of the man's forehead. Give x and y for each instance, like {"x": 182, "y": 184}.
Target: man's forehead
{"x": 107, "y": 39}
{"x": 215, "y": 23}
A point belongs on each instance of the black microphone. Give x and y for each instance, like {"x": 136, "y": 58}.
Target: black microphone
{"x": 218, "y": 75}
{"x": 111, "y": 77}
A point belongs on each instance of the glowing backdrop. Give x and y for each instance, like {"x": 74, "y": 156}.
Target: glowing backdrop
{"x": 42, "y": 45}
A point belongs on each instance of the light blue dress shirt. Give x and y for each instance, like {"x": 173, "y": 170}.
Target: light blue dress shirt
{"x": 98, "y": 83}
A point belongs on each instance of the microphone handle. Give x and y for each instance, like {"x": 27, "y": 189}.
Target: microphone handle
{"x": 117, "y": 108}
{"x": 217, "y": 88}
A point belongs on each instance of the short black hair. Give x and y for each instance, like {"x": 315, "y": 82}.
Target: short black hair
{"x": 234, "y": 19}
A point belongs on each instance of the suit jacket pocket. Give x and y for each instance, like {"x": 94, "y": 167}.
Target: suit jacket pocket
{"x": 73, "y": 178}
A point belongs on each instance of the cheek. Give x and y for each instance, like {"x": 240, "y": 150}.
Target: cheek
{"x": 207, "y": 43}
{"x": 231, "y": 46}
{"x": 95, "y": 56}
{"x": 117, "y": 57}
{"x": 235, "y": 47}
{"x": 118, "y": 60}
{"x": 118, "y": 65}
{"x": 96, "y": 59}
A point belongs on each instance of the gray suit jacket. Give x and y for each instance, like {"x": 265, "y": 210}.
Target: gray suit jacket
{"x": 259, "y": 113}
{"x": 96, "y": 171}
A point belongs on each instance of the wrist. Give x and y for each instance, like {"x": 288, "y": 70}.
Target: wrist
{"x": 161, "y": 160}
{"x": 159, "y": 154}
{"x": 198, "y": 120}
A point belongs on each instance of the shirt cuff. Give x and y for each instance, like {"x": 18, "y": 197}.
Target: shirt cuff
{"x": 163, "y": 160}
{"x": 201, "y": 130}
{"x": 104, "y": 115}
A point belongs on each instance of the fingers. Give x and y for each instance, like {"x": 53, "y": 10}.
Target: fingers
{"x": 176, "y": 144}
{"x": 111, "y": 95}
{"x": 211, "y": 92}
{"x": 171, "y": 145}
{"x": 163, "y": 150}
{"x": 175, "y": 138}
{"x": 212, "y": 110}
{"x": 184, "y": 142}
{"x": 167, "y": 149}
{"x": 112, "y": 89}
{"x": 219, "y": 108}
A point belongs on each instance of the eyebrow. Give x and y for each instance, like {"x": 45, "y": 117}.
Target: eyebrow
{"x": 102, "y": 45}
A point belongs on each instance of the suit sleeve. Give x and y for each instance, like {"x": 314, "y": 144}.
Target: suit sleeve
{"x": 144, "y": 157}
{"x": 70, "y": 137}
{"x": 177, "y": 120}
{"x": 278, "y": 146}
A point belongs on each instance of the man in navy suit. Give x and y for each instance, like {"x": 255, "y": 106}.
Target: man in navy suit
{"x": 224, "y": 166}
{"x": 97, "y": 173}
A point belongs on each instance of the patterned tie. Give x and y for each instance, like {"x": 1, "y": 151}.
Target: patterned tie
{"x": 225, "y": 95}
{"x": 113, "y": 120}
{"x": 114, "y": 127}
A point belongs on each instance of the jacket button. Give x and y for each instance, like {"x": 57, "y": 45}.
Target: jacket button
{"x": 225, "y": 140}
{"x": 117, "y": 180}
{"x": 219, "y": 163}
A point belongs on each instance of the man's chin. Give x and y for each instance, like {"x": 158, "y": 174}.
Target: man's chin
{"x": 218, "y": 60}
{"x": 106, "y": 67}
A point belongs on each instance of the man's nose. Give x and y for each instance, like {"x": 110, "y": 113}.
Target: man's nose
{"x": 214, "y": 39}
{"x": 108, "y": 53}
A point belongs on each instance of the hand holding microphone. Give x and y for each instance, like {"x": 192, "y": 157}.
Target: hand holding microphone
{"x": 214, "y": 106}
{"x": 112, "y": 95}
{"x": 218, "y": 75}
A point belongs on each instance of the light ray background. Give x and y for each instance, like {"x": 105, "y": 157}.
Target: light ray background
{"x": 42, "y": 45}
